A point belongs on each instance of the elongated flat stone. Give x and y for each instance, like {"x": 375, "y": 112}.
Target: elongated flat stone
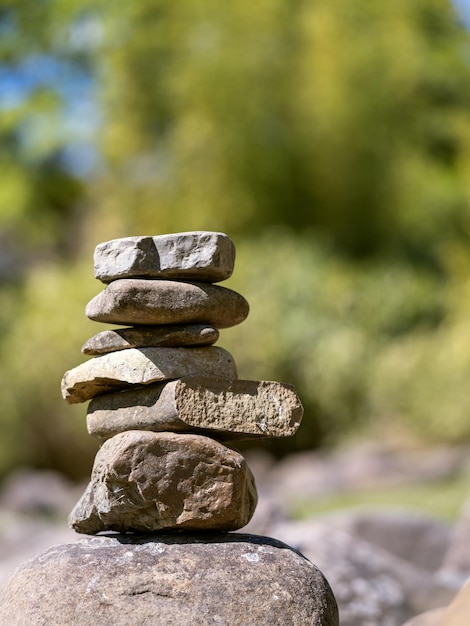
{"x": 201, "y": 255}
{"x": 150, "y": 337}
{"x": 144, "y": 482}
{"x": 119, "y": 370}
{"x": 139, "y": 301}
{"x": 228, "y": 409}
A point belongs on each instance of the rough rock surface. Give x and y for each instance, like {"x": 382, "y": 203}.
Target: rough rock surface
{"x": 145, "y": 482}
{"x": 138, "y": 301}
{"x": 198, "y": 255}
{"x": 365, "y": 576}
{"x": 119, "y": 370}
{"x": 228, "y": 408}
{"x": 203, "y": 579}
{"x": 150, "y": 337}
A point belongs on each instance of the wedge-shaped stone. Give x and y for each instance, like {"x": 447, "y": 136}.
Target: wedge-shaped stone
{"x": 150, "y": 337}
{"x": 119, "y": 370}
{"x": 139, "y": 301}
{"x": 227, "y": 409}
{"x": 144, "y": 482}
{"x": 200, "y": 255}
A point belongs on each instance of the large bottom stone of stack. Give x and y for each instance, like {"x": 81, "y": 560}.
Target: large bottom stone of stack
{"x": 144, "y": 482}
{"x": 204, "y": 579}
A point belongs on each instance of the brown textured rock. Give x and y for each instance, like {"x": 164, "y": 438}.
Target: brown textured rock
{"x": 199, "y": 255}
{"x": 172, "y": 580}
{"x": 139, "y": 301}
{"x": 229, "y": 408}
{"x": 144, "y": 482}
{"x": 150, "y": 337}
{"x": 119, "y": 370}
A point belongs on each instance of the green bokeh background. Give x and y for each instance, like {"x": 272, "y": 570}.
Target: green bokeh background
{"x": 329, "y": 139}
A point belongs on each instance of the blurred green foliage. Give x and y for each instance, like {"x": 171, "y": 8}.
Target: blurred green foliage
{"x": 330, "y": 140}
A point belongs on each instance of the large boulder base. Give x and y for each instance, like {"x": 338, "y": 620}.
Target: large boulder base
{"x": 227, "y": 409}
{"x": 198, "y": 255}
{"x": 127, "y": 368}
{"x": 170, "y": 336}
{"x": 169, "y": 580}
{"x": 144, "y": 482}
{"x": 138, "y": 301}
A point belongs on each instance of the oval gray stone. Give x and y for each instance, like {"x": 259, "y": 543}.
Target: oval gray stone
{"x": 169, "y": 580}
{"x": 145, "y": 482}
{"x": 139, "y": 301}
{"x": 199, "y": 255}
{"x": 149, "y": 337}
{"x": 127, "y": 368}
{"x": 227, "y": 409}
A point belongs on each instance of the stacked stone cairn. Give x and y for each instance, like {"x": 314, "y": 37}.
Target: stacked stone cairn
{"x": 166, "y": 484}
{"x": 163, "y": 399}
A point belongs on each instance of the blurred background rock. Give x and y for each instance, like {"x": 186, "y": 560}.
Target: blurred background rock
{"x": 329, "y": 140}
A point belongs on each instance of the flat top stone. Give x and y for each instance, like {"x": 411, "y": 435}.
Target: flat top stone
{"x": 150, "y": 337}
{"x": 169, "y": 580}
{"x": 154, "y": 302}
{"x": 227, "y": 409}
{"x": 127, "y": 368}
{"x": 199, "y": 255}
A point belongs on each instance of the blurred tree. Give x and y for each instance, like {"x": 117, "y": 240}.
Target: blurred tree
{"x": 39, "y": 196}
{"x": 345, "y": 119}
{"x": 313, "y": 114}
